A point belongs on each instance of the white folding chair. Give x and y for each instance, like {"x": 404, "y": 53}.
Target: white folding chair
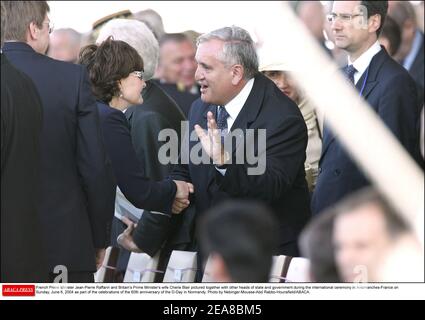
{"x": 106, "y": 272}
{"x": 298, "y": 270}
{"x": 182, "y": 267}
{"x": 277, "y": 269}
{"x": 142, "y": 268}
{"x": 206, "y": 277}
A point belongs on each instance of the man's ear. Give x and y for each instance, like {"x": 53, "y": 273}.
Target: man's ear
{"x": 375, "y": 23}
{"x": 237, "y": 74}
{"x": 34, "y": 31}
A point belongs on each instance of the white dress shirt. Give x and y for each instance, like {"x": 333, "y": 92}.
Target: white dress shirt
{"x": 363, "y": 62}
{"x": 234, "y": 107}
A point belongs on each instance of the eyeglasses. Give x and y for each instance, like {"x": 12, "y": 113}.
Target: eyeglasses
{"x": 345, "y": 17}
{"x": 138, "y": 74}
{"x": 50, "y": 26}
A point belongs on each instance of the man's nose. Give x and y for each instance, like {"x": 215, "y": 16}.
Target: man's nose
{"x": 336, "y": 24}
{"x": 198, "y": 74}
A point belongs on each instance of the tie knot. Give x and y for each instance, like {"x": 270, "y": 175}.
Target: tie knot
{"x": 350, "y": 71}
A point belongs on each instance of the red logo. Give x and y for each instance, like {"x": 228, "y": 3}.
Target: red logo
{"x": 18, "y": 290}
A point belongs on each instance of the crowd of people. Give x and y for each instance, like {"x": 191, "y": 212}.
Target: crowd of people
{"x": 85, "y": 118}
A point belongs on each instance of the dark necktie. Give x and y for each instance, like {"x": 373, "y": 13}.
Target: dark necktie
{"x": 349, "y": 72}
{"x": 222, "y": 116}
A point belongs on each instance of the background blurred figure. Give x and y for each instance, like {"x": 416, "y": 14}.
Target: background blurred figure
{"x": 157, "y": 112}
{"x": 176, "y": 69}
{"x": 77, "y": 186}
{"x": 316, "y": 245}
{"x": 280, "y": 73}
{"x": 411, "y": 52}
{"x": 192, "y": 35}
{"x": 64, "y": 45}
{"x": 365, "y": 229}
{"x": 390, "y": 36}
{"x": 153, "y": 21}
{"x": 98, "y": 24}
{"x": 23, "y": 255}
{"x": 312, "y": 14}
{"x": 240, "y": 238}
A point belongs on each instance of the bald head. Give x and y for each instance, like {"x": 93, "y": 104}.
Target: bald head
{"x": 64, "y": 45}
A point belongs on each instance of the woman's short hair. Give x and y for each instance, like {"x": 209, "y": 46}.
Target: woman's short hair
{"x": 108, "y": 63}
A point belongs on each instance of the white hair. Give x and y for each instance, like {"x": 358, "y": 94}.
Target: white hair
{"x": 137, "y": 35}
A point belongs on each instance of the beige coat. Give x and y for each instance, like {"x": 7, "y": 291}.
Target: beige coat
{"x": 314, "y": 146}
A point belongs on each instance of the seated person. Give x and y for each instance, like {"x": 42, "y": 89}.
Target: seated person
{"x": 239, "y": 237}
{"x": 279, "y": 73}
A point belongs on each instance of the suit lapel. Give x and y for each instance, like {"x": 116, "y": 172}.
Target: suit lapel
{"x": 250, "y": 109}
{"x": 371, "y": 82}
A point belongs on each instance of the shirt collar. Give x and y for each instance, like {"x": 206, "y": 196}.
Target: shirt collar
{"x": 364, "y": 60}
{"x": 235, "y": 105}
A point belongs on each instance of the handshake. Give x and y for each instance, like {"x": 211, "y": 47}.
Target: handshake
{"x": 181, "y": 200}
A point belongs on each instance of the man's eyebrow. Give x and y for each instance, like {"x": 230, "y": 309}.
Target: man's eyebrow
{"x": 203, "y": 64}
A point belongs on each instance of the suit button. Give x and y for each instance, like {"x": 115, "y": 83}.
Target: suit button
{"x": 320, "y": 170}
{"x": 337, "y": 172}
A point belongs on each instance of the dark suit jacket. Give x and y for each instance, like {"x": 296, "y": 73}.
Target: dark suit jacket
{"x": 23, "y": 256}
{"x": 157, "y": 112}
{"x": 391, "y": 92}
{"x": 282, "y": 186}
{"x": 129, "y": 174}
{"x": 184, "y": 99}
{"x": 417, "y": 72}
{"x": 77, "y": 187}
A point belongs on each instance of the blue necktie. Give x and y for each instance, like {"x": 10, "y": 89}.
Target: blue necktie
{"x": 349, "y": 72}
{"x": 222, "y": 116}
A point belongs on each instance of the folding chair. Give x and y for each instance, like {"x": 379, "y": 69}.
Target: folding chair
{"x": 206, "y": 277}
{"x": 106, "y": 272}
{"x": 182, "y": 267}
{"x": 142, "y": 268}
{"x": 279, "y": 268}
{"x": 298, "y": 270}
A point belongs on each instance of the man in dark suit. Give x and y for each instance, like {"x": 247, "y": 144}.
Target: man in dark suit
{"x": 176, "y": 69}
{"x": 77, "y": 191}
{"x": 244, "y": 102}
{"x": 386, "y": 86}
{"x": 411, "y": 51}
{"x": 22, "y": 251}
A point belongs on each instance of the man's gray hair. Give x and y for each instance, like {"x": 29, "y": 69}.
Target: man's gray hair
{"x": 137, "y": 35}
{"x": 73, "y": 36}
{"x": 238, "y": 48}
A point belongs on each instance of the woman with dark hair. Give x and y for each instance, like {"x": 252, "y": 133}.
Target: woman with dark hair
{"x": 116, "y": 73}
